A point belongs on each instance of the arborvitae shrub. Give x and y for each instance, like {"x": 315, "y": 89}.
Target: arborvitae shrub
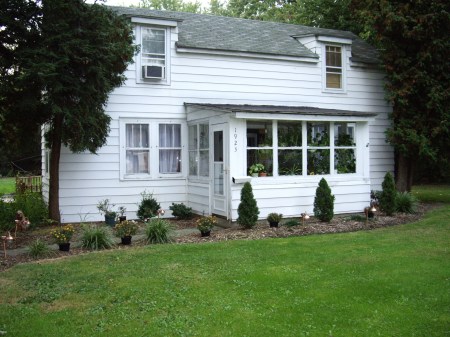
{"x": 248, "y": 209}
{"x": 324, "y": 202}
{"x": 388, "y": 195}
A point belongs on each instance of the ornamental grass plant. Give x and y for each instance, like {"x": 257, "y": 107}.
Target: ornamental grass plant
{"x": 95, "y": 237}
{"x": 38, "y": 249}
{"x": 158, "y": 231}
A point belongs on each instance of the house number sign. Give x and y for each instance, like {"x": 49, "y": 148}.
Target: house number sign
{"x": 235, "y": 140}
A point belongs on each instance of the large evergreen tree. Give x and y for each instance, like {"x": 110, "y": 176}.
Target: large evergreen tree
{"x": 63, "y": 58}
{"x": 415, "y": 43}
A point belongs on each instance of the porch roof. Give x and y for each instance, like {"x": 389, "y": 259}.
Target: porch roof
{"x": 277, "y": 109}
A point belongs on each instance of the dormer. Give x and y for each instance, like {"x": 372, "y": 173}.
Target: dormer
{"x": 153, "y": 35}
{"x": 334, "y": 53}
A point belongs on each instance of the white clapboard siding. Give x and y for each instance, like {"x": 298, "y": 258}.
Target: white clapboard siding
{"x": 85, "y": 179}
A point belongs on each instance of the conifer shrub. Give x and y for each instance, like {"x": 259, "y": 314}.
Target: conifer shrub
{"x": 148, "y": 207}
{"x": 248, "y": 209}
{"x": 324, "y": 202}
{"x": 181, "y": 211}
{"x": 388, "y": 195}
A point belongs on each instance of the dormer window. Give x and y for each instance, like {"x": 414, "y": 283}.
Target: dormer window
{"x": 153, "y": 53}
{"x": 153, "y": 61}
{"x": 333, "y": 67}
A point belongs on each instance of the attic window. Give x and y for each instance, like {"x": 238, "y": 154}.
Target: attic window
{"x": 333, "y": 67}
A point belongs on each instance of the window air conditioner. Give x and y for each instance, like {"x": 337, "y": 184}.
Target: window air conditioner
{"x": 156, "y": 72}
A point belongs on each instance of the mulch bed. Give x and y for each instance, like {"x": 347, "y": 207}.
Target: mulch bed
{"x": 339, "y": 224}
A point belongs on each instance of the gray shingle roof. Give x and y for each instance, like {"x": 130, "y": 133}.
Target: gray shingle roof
{"x": 200, "y": 31}
{"x": 297, "y": 110}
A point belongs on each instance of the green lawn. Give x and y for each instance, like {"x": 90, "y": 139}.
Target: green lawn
{"x": 7, "y": 185}
{"x": 386, "y": 282}
{"x": 432, "y": 193}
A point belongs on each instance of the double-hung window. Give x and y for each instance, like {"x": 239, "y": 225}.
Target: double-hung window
{"x": 153, "y": 53}
{"x": 169, "y": 148}
{"x": 137, "y": 149}
{"x": 150, "y": 149}
{"x": 333, "y": 59}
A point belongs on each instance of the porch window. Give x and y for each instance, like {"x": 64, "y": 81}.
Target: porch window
{"x": 199, "y": 150}
{"x": 137, "y": 149}
{"x": 318, "y": 148}
{"x": 302, "y": 148}
{"x": 290, "y": 148}
{"x": 345, "y": 147}
{"x": 169, "y": 148}
{"x": 260, "y": 144}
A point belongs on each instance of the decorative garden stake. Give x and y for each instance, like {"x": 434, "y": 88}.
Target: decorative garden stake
{"x": 161, "y": 212}
{"x": 7, "y": 239}
{"x": 304, "y": 216}
{"x": 370, "y": 209}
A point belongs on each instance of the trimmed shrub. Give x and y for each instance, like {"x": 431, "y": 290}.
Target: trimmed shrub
{"x": 38, "y": 248}
{"x": 248, "y": 209}
{"x": 148, "y": 207}
{"x": 405, "y": 202}
{"x": 388, "y": 195}
{"x": 95, "y": 238}
{"x": 181, "y": 211}
{"x": 324, "y": 202}
{"x": 291, "y": 223}
{"x": 158, "y": 231}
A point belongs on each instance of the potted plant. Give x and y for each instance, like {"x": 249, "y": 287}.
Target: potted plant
{"x": 62, "y": 236}
{"x": 205, "y": 224}
{"x": 107, "y": 209}
{"x": 256, "y": 169}
{"x": 125, "y": 230}
{"x": 122, "y": 216}
{"x": 274, "y": 219}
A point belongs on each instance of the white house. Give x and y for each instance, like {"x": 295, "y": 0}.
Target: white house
{"x": 209, "y": 96}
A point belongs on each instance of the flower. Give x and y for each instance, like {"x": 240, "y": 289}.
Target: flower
{"x": 126, "y": 228}
{"x": 62, "y": 234}
{"x": 205, "y": 224}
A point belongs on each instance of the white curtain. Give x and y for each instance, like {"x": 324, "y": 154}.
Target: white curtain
{"x": 169, "y": 148}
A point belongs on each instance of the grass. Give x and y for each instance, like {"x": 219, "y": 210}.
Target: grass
{"x": 387, "y": 282}
{"x": 432, "y": 193}
{"x": 7, "y": 185}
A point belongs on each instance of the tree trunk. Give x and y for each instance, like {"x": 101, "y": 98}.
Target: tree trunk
{"x": 404, "y": 176}
{"x": 53, "y": 199}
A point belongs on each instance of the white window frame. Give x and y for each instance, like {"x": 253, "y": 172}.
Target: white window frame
{"x": 198, "y": 150}
{"x": 139, "y": 62}
{"x": 358, "y": 137}
{"x": 154, "y": 149}
{"x": 342, "y": 68}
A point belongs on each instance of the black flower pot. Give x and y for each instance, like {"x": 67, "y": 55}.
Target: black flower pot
{"x": 122, "y": 218}
{"x": 273, "y": 224}
{"x": 126, "y": 240}
{"x": 64, "y": 247}
{"x": 208, "y": 233}
{"x": 110, "y": 220}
